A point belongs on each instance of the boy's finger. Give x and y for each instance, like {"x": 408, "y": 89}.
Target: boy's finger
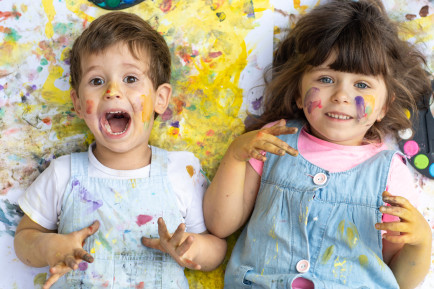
{"x": 71, "y": 262}
{"x": 185, "y": 246}
{"x": 177, "y": 236}
{"x": 151, "y": 243}
{"x": 50, "y": 281}
{"x": 83, "y": 255}
{"x": 162, "y": 230}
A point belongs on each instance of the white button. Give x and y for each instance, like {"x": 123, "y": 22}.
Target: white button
{"x": 302, "y": 266}
{"x": 320, "y": 179}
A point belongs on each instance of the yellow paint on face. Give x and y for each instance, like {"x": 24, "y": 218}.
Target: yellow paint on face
{"x": 147, "y": 105}
{"x": 369, "y": 104}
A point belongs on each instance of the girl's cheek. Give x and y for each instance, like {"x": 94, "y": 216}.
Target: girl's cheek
{"x": 312, "y": 100}
{"x": 364, "y": 106}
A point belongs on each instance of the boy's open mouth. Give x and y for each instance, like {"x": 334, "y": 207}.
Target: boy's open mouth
{"x": 116, "y": 122}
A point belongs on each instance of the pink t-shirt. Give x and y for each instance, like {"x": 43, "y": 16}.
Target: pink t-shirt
{"x": 324, "y": 155}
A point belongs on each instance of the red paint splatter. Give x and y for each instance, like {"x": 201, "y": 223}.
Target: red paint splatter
{"x": 108, "y": 91}
{"x": 46, "y": 120}
{"x": 166, "y": 6}
{"x": 6, "y": 15}
{"x": 106, "y": 284}
{"x": 210, "y": 132}
{"x": 143, "y": 219}
{"x": 141, "y": 285}
{"x": 89, "y": 106}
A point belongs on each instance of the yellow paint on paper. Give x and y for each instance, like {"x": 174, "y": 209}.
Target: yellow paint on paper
{"x": 50, "y": 13}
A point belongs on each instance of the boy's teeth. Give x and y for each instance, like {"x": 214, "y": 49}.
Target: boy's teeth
{"x": 108, "y": 128}
{"x": 338, "y": 116}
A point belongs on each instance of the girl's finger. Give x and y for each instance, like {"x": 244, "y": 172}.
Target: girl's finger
{"x": 257, "y": 155}
{"x": 396, "y": 200}
{"x": 400, "y": 212}
{"x": 399, "y": 239}
{"x": 272, "y": 144}
{"x": 393, "y": 226}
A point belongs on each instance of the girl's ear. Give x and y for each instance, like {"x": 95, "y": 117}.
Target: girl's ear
{"x": 76, "y": 102}
{"x": 163, "y": 94}
{"x": 299, "y": 102}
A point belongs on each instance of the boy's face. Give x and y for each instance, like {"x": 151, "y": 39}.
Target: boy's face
{"x": 341, "y": 106}
{"x": 117, "y": 100}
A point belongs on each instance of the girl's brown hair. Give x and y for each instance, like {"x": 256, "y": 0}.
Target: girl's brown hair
{"x": 122, "y": 27}
{"x": 366, "y": 42}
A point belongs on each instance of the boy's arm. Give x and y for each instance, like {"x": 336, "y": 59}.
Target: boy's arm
{"x": 194, "y": 251}
{"x": 411, "y": 263}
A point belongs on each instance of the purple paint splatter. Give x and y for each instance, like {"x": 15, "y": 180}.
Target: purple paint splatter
{"x": 86, "y": 197}
{"x": 311, "y": 100}
{"x": 360, "y": 106}
{"x": 83, "y": 266}
{"x": 257, "y": 103}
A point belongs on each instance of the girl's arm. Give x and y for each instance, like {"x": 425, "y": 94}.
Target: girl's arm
{"x": 411, "y": 263}
{"x": 230, "y": 198}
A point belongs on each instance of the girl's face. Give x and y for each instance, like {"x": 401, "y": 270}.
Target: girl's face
{"x": 117, "y": 99}
{"x": 341, "y": 106}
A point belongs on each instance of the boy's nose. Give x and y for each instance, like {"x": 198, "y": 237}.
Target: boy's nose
{"x": 112, "y": 92}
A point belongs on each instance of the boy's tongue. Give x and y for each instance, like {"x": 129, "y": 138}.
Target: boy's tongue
{"x": 118, "y": 124}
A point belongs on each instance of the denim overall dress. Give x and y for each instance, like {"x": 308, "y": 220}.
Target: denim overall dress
{"x": 127, "y": 210}
{"x": 313, "y": 223}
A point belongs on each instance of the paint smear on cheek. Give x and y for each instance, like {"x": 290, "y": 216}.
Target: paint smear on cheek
{"x": 147, "y": 107}
{"x": 360, "y": 107}
{"x": 312, "y": 100}
{"x": 89, "y": 106}
{"x": 369, "y": 104}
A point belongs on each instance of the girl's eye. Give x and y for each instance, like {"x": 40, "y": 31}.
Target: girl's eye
{"x": 130, "y": 79}
{"x": 326, "y": 79}
{"x": 361, "y": 85}
{"x": 97, "y": 81}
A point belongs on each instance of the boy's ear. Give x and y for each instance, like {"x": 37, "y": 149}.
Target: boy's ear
{"x": 163, "y": 94}
{"x": 76, "y": 102}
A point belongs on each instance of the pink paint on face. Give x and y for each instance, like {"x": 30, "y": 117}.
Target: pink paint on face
{"x": 89, "y": 106}
{"x": 143, "y": 219}
{"x": 312, "y": 100}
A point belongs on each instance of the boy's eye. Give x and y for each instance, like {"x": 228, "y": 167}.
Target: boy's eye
{"x": 326, "y": 79}
{"x": 130, "y": 79}
{"x": 361, "y": 85}
{"x": 97, "y": 81}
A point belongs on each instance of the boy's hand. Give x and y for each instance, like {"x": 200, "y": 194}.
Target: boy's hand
{"x": 251, "y": 144}
{"x": 176, "y": 244}
{"x": 67, "y": 252}
{"x": 412, "y": 229}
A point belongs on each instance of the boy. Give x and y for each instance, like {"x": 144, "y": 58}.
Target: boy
{"x": 88, "y": 215}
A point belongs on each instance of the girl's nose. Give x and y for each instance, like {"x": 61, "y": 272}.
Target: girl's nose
{"x": 341, "y": 95}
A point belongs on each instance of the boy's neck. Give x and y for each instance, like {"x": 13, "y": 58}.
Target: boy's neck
{"x": 136, "y": 158}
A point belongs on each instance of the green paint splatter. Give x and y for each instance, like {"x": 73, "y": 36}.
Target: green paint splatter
{"x": 13, "y": 36}
{"x": 44, "y": 61}
{"x": 39, "y": 69}
{"x": 104, "y": 241}
{"x": 363, "y": 260}
{"x": 40, "y": 279}
{"x": 327, "y": 254}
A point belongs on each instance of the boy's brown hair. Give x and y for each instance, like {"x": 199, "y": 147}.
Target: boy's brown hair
{"x": 365, "y": 41}
{"x": 121, "y": 27}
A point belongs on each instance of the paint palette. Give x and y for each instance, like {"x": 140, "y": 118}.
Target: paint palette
{"x": 115, "y": 4}
{"x": 420, "y": 148}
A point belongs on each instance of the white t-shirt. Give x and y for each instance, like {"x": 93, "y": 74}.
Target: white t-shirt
{"x": 42, "y": 201}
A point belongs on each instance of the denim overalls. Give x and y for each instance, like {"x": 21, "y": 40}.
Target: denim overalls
{"x": 127, "y": 210}
{"x": 316, "y": 224}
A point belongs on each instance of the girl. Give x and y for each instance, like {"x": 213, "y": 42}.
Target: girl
{"x": 343, "y": 79}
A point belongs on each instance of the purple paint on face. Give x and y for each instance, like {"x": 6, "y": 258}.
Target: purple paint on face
{"x": 360, "y": 106}
{"x": 311, "y": 100}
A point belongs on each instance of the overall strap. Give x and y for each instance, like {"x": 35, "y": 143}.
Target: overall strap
{"x": 158, "y": 162}
{"x": 79, "y": 164}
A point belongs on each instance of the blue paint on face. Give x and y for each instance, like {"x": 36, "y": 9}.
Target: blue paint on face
{"x": 360, "y": 106}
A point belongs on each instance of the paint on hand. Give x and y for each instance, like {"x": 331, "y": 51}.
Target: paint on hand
{"x": 190, "y": 170}
{"x": 311, "y": 100}
{"x": 360, "y": 107}
{"x": 143, "y": 219}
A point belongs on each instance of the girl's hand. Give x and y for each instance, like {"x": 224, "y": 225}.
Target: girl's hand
{"x": 176, "y": 245}
{"x": 68, "y": 252}
{"x": 251, "y": 144}
{"x": 412, "y": 229}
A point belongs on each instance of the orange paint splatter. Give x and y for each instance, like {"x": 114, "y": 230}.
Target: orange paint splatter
{"x": 89, "y": 106}
{"x": 147, "y": 108}
{"x": 46, "y": 120}
{"x": 210, "y": 132}
{"x": 190, "y": 170}
{"x": 108, "y": 91}
{"x": 141, "y": 285}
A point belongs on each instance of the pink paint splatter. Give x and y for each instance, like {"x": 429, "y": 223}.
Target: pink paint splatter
{"x": 143, "y": 219}
{"x": 311, "y": 100}
{"x": 83, "y": 266}
{"x": 141, "y": 285}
